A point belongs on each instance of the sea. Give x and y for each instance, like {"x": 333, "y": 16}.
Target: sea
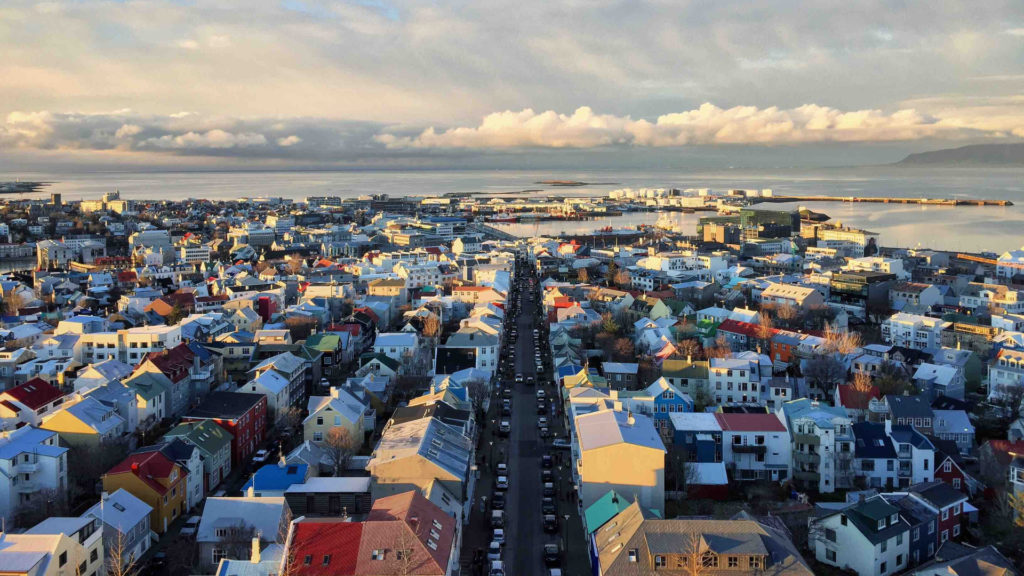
{"x": 975, "y": 229}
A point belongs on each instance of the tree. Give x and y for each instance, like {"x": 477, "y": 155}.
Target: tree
{"x": 478, "y": 392}
{"x": 289, "y": 418}
{"x": 623, "y": 349}
{"x": 698, "y": 557}
{"x": 301, "y": 327}
{"x": 682, "y": 470}
{"x": 891, "y": 379}
{"x": 86, "y": 466}
{"x": 622, "y": 278}
{"x": 841, "y": 342}
{"x": 613, "y": 270}
{"x": 236, "y": 540}
{"x": 605, "y": 342}
{"x": 14, "y": 302}
{"x": 787, "y": 313}
{"x": 688, "y": 348}
{"x": 608, "y": 324}
{"x": 339, "y": 446}
{"x": 720, "y": 349}
{"x": 431, "y": 326}
{"x": 824, "y": 372}
{"x": 765, "y": 328}
{"x": 119, "y": 559}
{"x": 583, "y": 275}
{"x": 295, "y": 263}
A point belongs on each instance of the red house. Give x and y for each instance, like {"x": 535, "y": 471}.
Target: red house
{"x": 949, "y": 466}
{"x": 243, "y": 415}
{"x": 946, "y": 502}
{"x": 27, "y": 403}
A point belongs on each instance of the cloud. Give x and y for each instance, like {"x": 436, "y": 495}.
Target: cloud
{"x": 288, "y": 141}
{"x": 214, "y": 139}
{"x": 705, "y": 125}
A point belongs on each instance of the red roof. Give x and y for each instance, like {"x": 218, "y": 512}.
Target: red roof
{"x": 1003, "y": 450}
{"x": 35, "y": 393}
{"x": 127, "y": 276}
{"x": 563, "y": 302}
{"x": 851, "y": 398}
{"x": 743, "y": 422}
{"x": 148, "y": 466}
{"x": 320, "y": 538}
{"x": 217, "y": 298}
{"x": 736, "y": 327}
{"x": 175, "y": 363}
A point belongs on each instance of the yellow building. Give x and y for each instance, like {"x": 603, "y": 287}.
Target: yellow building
{"x": 85, "y": 423}
{"x": 157, "y": 481}
{"x": 620, "y": 451}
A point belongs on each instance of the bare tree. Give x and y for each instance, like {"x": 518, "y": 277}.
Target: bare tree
{"x": 765, "y": 327}
{"x": 42, "y": 505}
{"x": 720, "y": 349}
{"x": 683, "y": 470}
{"x": 289, "y": 418}
{"x": 583, "y": 275}
{"x": 120, "y": 561}
{"x": 295, "y": 263}
{"x": 339, "y": 446}
{"x": 787, "y": 313}
{"x": 695, "y": 561}
{"x": 405, "y": 552}
{"x": 841, "y": 342}
{"x": 824, "y": 373}
{"x": 14, "y": 302}
{"x": 622, "y": 278}
{"x": 477, "y": 391}
{"x": 236, "y": 540}
{"x": 623, "y": 349}
{"x": 431, "y": 326}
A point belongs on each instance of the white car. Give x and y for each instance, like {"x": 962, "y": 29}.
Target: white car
{"x": 501, "y": 483}
{"x": 494, "y": 551}
{"x": 499, "y": 536}
{"x": 190, "y": 527}
{"x": 261, "y": 456}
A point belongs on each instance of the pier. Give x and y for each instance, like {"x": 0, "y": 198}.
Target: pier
{"x": 883, "y": 200}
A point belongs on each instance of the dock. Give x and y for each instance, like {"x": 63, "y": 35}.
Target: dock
{"x": 884, "y": 200}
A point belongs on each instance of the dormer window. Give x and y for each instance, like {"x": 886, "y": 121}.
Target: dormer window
{"x": 881, "y": 524}
{"x": 894, "y": 519}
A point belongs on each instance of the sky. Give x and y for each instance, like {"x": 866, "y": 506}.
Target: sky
{"x": 429, "y": 83}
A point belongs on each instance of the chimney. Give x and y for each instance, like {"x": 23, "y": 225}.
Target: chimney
{"x": 888, "y": 426}
{"x": 630, "y": 419}
{"x": 281, "y": 461}
{"x": 135, "y": 466}
{"x": 250, "y": 492}
{"x": 256, "y": 549}
{"x": 689, "y": 359}
{"x": 334, "y": 391}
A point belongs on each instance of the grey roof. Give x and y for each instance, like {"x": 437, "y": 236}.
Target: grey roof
{"x": 937, "y": 493}
{"x": 909, "y": 406}
{"x": 331, "y": 484}
{"x": 265, "y": 514}
{"x": 909, "y": 435}
{"x": 608, "y": 427}
{"x": 957, "y": 559}
{"x": 120, "y": 510}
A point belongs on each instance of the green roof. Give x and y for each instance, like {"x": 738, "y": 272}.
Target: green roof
{"x": 672, "y": 368}
{"x": 207, "y": 435}
{"x": 385, "y": 360}
{"x": 324, "y": 342}
{"x": 604, "y": 509}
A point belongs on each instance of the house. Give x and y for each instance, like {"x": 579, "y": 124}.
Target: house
{"x": 125, "y": 525}
{"x": 913, "y": 411}
{"x": 1005, "y": 373}
{"x": 187, "y": 456}
{"x": 230, "y": 524}
{"x": 339, "y": 547}
{"x": 606, "y": 439}
{"x": 755, "y": 446}
{"x": 28, "y": 403}
{"x": 921, "y": 525}
{"x": 101, "y": 373}
{"x": 85, "y": 531}
{"x": 736, "y": 380}
{"x": 637, "y": 542}
{"x": 967, "y": 561}
{"x": 934, "y": 380}
{"x": 243, "y": 415}
{"x": 915, "y": 454}
{"x": 914, "y": 296}
{"x": 874, "y": 455}
{"x": 699, "y": 433}
{"x": 275, "y": 479}
{"x": 152, "y": 392}
{"x": 398, "y": 346}
{"x": 914, "y": 331}
{"x": 190, "y": 382}
{"x": 340, "y": 409}
{"x": 281, "y": 378}
{"x": 800, "y": 297}
{"x": 418, "y": 453}
{"x": 621, "y": 375}
{"x": 32, "y": 464}
{"x": 329, "y": 496}
{"x": 156, "y": 480}
{"x": 656, "y": 401}
{"x": 484, "y": 346}
{"x": 333, "y": 354}
{"x": 823, "y": 440}
{"x": 954, "y": 425}
{"x": 869, "y": 538}
{"x": 214, "y": 445}
{"x": 691, "y": 377}
{"x": 946, "y": 502}
{"x": 86, "y": 424}
{"x": 855, "y": 402}
{"x": 949, "y": 466}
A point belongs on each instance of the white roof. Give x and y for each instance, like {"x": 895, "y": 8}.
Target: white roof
{"x": 263, "y": 513}
{"x": 610, "y": 427}
{"x": 396, "y": 339}
{"x": 696, "y": 421}
{"x": 942, "y": 374}
{"x": 271, "y": 381}
{"x": 347, "y": 484}
{"x": 120, "y": 510}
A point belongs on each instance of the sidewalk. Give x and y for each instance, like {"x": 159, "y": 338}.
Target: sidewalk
{"x": 476, "y": 534}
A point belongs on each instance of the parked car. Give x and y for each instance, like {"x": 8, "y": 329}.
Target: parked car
{"x": 497, "y": 568}
{"x": 261, "y": 456}
{"x": 499, "y": 535}
{"x": 542, "y": 408}
{"x": 497, "y": 518}
{"x": 548, "y": 506}
{"x": 547, "y": 476}
{"x": 549, "y": 489}
{"x": 501, "y": 482}
{"x": 190, "y": 527}
{"x": 502, "y": 469}
{"x": 498, "y": 500}
{"x": 494, "y": 550}
{"x": 561, "y": 443}
{"x": 504, "y": 427}
{"x": 542, "y": 422}
{"x": 550, "y": 523}
{"x": 552, "y": 554}
{"x": 546, "y": 461}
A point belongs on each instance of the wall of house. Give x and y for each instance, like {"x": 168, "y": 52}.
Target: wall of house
{"x": 602, "y": 470}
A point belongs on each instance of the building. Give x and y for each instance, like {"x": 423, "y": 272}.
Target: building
{"x": 637, "y": 542}
{"x": 156, "y": 480}
{"x": 823, "y": 450}
{"x": 755, "y": 446}
{"x": 28, "y": 403}
{"x": 914, "y": 331}
{"x": 341, "y": 409}
{"x": 1006, "y": 373}
{"x": 125, "y": 526}
{"x": 243, "y": 415}
{"x": 230, "y": 525}
{"x": 32, "y": 463}
{"x": 869, "y": 538}
{"x": 329, "y": 496}
{"x": 607, "y": 438}
{"x": 800, "y": 297}
{"x": 214, "y": 445}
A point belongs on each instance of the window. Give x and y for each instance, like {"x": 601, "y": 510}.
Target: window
{"x": 899, "y": 560}
{"x": 318, "y": 436}
{"x": 830, "y": 555}
{"x": 842, "y": 519}
{"x": 710, "y": 560}
{"x": 882, "y": 568}
{"x": 219, "y": 554}
{"x": 947, "y": 466}
{"x": 894, "y": 519}
{"x": 885, "y": 546}
{"x": 945, "y": 514}
{"x": 899, "y": 539}
{"x": 956, "y": 509}
{"x": 327, "y": 559}
{"x": 931, "y": 527}
{"x": 830, "y": 534}
{"x": 659, "y": 561}
{"x": 94, "y": 555}
{"x": 755, "y": 562}
{"x": 632, "y": 555}
{"x": 319, "y": 420}
{"x": 945, "y": 536}
{"x": 956, "y": 483}
{"x": 917, "y": 534}
{"x": 377, "y": 555}
{"x": 881, "y": 525}
{"x": 734, "y": 562}
{"x": 956, "y": 530}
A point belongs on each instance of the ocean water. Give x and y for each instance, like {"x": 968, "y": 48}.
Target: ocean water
{"x": 961, "y": 228}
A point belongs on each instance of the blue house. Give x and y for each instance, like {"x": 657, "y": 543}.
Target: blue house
{"x": 658, "y": 401}
{"x": 699, "y": 433}
{"x": 274, "y": 479}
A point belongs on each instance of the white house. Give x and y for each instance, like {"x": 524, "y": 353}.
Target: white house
{"x": 32, "y": 463}
{"x": 396, "y": 345}
{"x": 755, "y": 446}
{"x": 914, "y": 331}
{"x": 869, "y": 538}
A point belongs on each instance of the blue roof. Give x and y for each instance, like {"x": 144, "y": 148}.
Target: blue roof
{"x": 570, "y": 370}
{"x": 872, "y": 441}
{"x": 276, "y": 477}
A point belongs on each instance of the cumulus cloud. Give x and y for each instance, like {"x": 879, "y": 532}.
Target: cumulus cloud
{"x": 288, "y": 141}
{"x": 707, "y": 124}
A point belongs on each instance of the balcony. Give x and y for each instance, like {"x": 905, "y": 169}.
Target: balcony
{"x": 809, "y": 439}
{"x": 26, "y": 467}
{"x": 808, "y": 458}
{"x": 749, "y": 448}
{"x": 27, "y": 487}
{"x": 805, "y": 476}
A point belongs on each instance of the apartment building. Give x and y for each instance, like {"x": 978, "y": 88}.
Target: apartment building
{"x": 32, "y": 463}
{"x": 822, "y": 438}
{"x": 914, "y": 331}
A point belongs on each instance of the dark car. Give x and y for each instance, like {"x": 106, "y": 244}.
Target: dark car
{"x": 542, "y": 408}
{"x": 547, "y": 476}
{"x": 552, "y": 554}
{"x": 548, "y": 506}
{"x": 550, "y": 523}
{"x": 498, "y": 500}
{"x": 546, "y": 461}
{"x": 549, "y": 489}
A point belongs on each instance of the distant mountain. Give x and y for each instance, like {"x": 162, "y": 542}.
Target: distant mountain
{"x": 978, "y": 154}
